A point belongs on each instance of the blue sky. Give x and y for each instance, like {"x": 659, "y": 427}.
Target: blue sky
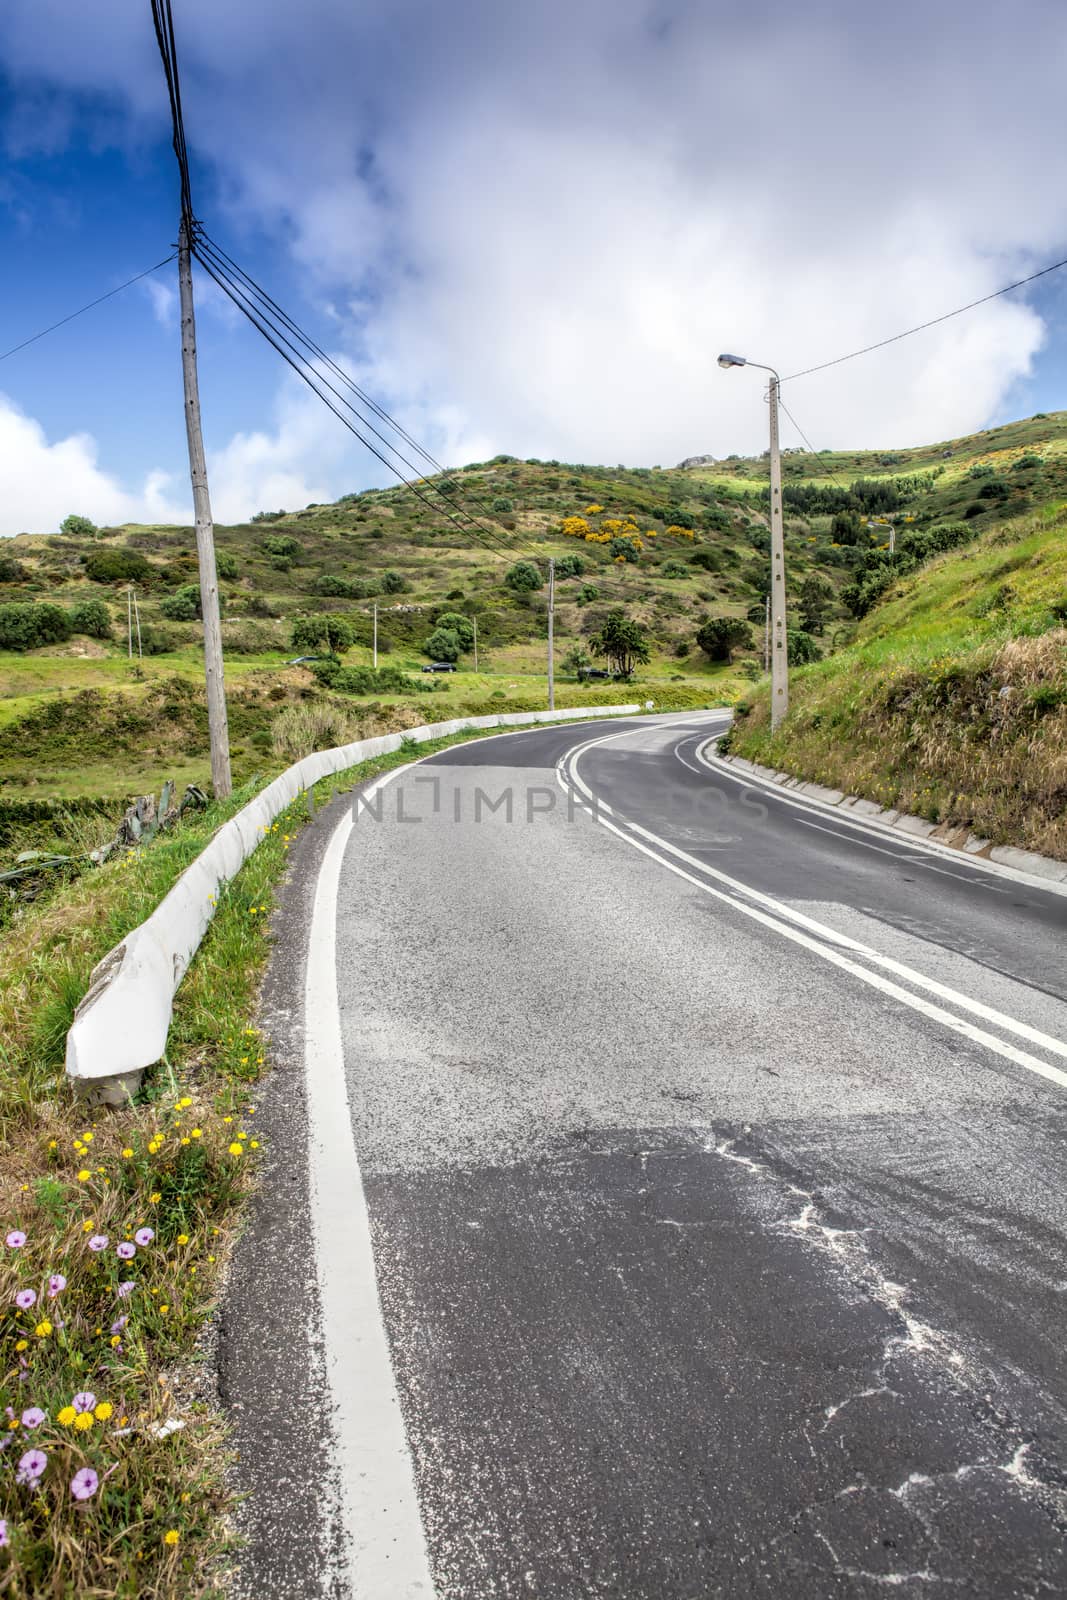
{"x": 525, "y": 229}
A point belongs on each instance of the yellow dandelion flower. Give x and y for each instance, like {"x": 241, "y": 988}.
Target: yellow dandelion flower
{"x": 196, "y": 1133}
{"x": 22, "y": 1344}
{"x": 154, "y": 1199}
{"x": 43, "y": 1329}
{"x": 183, "y": 1238}
{"x": 103, "y": 1411}
{"x": 53, "y": 1144}
{"x": 115, "y": 1341}
{"x": 237, "y": 1149}
{"x": 83, "y": 1421}
{"x": 254, "y": 1144}
{"x": 127, "y": 1153}
{"x": 171, "y": 1536}
{"x": 66, "y": 1417}
{"x": 164, "y": 1309}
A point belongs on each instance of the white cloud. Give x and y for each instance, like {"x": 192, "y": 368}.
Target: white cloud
{"x": 546, "y": 222}
{"x": 43, "y": 481}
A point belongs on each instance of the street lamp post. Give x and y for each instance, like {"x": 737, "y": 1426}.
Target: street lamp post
{"x": 780, "y": 646}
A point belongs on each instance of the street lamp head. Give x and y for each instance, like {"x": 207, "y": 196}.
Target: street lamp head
{"x": 731, "y": 361}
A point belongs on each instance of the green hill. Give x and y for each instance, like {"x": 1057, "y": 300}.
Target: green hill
{"x": 671, "y": 547}
{"x": 951, "y": 703}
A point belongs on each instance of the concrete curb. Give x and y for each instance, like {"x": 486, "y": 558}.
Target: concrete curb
{"x": 1004, "y": 855}
{"x": 121, "y": 1025}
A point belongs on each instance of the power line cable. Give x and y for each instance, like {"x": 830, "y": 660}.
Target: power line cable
{"x": 205, "y": 241}
{"x": 312, "y": 378}
{"x": 933, "y": 322}
{"x": 81, "y": 312}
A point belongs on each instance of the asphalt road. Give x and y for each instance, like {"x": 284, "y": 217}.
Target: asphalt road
{"x": 712, "y": 1157}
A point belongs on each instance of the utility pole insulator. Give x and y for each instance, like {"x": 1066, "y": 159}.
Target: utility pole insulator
{"x": 205, "y": 532}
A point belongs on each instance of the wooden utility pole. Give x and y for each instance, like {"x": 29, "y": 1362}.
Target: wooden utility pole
{"x": 137, "y": 620}
{"x": 375, "y": 635}
{"x": 779, "y": 645}
{"x": 205, "y": 533}
{"x": 474, "y": 620}
{"x": 551, "y": 623}
{"x": 129, "y": 623}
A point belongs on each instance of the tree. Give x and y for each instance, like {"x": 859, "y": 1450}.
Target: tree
{"x": 93, "y": 618}
{"x": 335, "y": 632}
{"x": 443, "y": 645}
{"x": 802, "y": 648}
{"x": 623, "y": 641}
{"x": 78, "y": 527}
{"x": 815, "y": 595}
{"x": 719, "y": 637}
{"x": 845, "y": 528}
{"x": 524, "y": 577}
{"x": 577, "y": 660}
{"x": 461, "y": 626}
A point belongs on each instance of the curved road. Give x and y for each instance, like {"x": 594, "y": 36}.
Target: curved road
{"x": 712, "y": 1148}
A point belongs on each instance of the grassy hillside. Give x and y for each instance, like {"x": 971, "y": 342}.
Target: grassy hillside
{"x": 78, "y": 718}
{"x": 951, "y": 703}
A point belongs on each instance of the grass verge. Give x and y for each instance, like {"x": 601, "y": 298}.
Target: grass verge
{"x": 115, "y": 1228}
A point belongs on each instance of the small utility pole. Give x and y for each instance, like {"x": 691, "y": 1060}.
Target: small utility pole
{"x": 551, "y": 623}
{"x": 205, "y": 532}
{"x": 129, "y": 623}
{"x": 375, "y": 635}
{"x": 779, "y": 644}
{"x": 474, "y": 620}
{"x": 137, "y": 620}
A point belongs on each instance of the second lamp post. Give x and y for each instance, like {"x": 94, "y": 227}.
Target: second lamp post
{"x": 779, "y": 642}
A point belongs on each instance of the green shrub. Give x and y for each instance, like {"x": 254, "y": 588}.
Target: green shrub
{"x": 366, "y": 680}
{"x": 674, "y": 569}
{"x": 329, "y": 584}
{"x": 587, "y": 594}
{"x": 394, "y": 583}
{"x": 675, "y": 517}
{"x": 710, "y": 560}
{"x": 11, "y": 571}
{"x": 624, "y": 546}
{"x": 117, "y": 566}
{"x": 454, "y": 594}
{"x": 183, "y": 605}
{"x": 26, "y": 626}
{"x": 335, "y": 632}
{"x": 524, "y": 577}
{"x": 282, "y": 545}
{"x": 569, "y": 567}
{"x": 502, "y": 503}
{"x": 155, "y": 641}
{"x": 226, "y": 564}
{"x": 78, "y": 527}
{"x": 91, "y": 617}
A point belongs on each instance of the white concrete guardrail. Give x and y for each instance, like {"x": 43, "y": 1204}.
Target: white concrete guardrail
{"x": 122, "y": 1022}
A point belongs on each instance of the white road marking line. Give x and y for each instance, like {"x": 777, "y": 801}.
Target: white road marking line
{"x": 385, "y": 1548}
{"x": 983, "y": 870}
{"x": 791, "y": 923}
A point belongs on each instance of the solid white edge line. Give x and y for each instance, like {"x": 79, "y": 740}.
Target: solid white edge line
{"x": 385, "y": 1547}
{"x": 978, "y": 1035}
{"x": 879, "y": 829}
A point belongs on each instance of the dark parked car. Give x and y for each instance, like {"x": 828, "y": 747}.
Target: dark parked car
{"x": 440, "y": 666}
{"x": 594, "y": 672}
